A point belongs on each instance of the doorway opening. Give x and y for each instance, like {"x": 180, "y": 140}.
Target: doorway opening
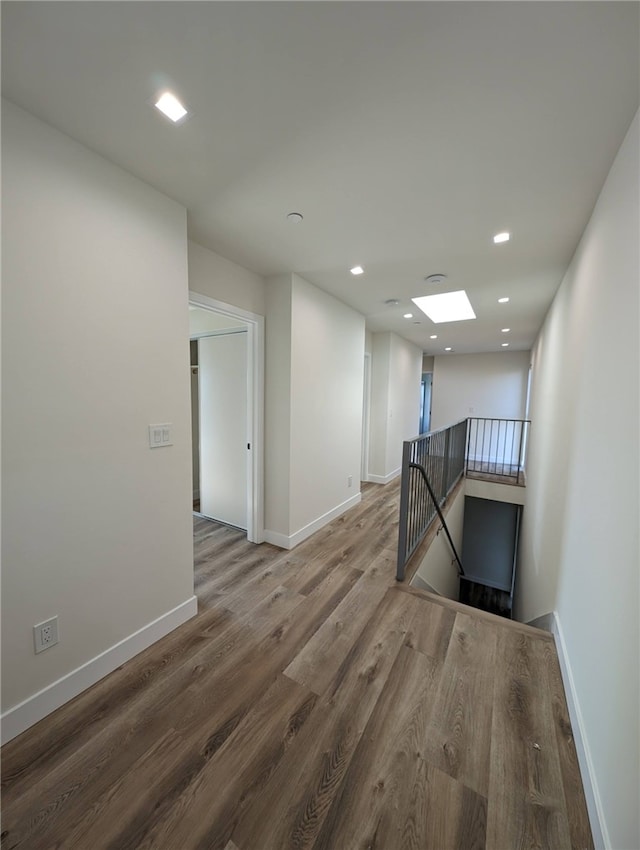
{"x": 425, "y": 403}
{"x": 227, "y": 391}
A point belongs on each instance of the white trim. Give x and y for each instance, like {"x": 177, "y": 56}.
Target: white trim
{"x": 599, "y": 830}
{"x": 255, "y": 407}
{"x": 289, "y": 542}
{"x": 218, "y": 332}
{"x": 34, "y": 708}
{"x": 384, "y": 479}
{"x": 276, "y": 538}
{"x": 366, "y": 418}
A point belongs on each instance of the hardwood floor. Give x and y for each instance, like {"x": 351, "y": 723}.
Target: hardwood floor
{"x": 312, "y": 703}
{"x": 498, "y": 474}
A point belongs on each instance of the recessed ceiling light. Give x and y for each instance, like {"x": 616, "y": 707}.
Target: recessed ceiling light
{"x": 170, "y": 106}
{"x": 357, "y": 270}
{"x": 408, "y": 315}
{"x": 505, "y": 344}
{"x": 433, "y": 336}
{"x": 502, "y": 300}
{"x": 448, "y": 349}
{"x": 501, "y": 237}
{"x": 447, "y": 307}
{"x": 295, "y": 217}
{"x": 505, "y": 330}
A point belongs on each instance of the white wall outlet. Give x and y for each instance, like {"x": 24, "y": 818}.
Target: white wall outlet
{"x": 45, "y": 634}
{"x": 160, "y": 435}
{"x": 350, "y": 481}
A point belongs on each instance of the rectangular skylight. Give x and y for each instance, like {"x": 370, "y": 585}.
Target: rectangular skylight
{"x": 446, "y": 307}
{"x": 171, "y": 106}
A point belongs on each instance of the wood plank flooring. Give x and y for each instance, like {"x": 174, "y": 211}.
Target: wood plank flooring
{"x": 312, "y": 703}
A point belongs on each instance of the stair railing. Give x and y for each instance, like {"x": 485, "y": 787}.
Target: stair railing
{"x": 436, "y": 458}
{"x": 433, "y": 463}
{"x": 440, "y": 514}
{"x": 497, "y": 446}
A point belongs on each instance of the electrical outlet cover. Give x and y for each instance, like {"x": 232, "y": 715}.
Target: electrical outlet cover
{"x": 45, "y": 634}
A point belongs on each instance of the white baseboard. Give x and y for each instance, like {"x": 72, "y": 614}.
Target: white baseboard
{"x": 384, "y": 479}
{"x": 289, "y": 542}
{"x": 594, "y": 805}
{"x": 35, "y": 708}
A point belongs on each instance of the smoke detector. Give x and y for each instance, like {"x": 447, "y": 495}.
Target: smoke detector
{"x": 392, "y": 302}
{"x": 436, "y": 278}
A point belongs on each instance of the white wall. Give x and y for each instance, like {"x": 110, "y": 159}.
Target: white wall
{"x": 510, "y": 493}
{"x": 96, "y": 525}
{"x": 368, "y": 341}
{"x": 438, "y": 569}
{"x": 404, "y": 398}
{"x": 580, "y": 549}
{"x": 218, "y": 278}
{"x": 396, "y": 373}
{"x": 491, "y": 385}
{"x": 313, "y": 431}
{"x": 327, "y": 381}
{"x": 380, "y": 378}
{"x": 277, "y": 425}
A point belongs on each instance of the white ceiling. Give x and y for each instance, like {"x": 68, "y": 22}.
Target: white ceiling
{"x": 406, "y": 133}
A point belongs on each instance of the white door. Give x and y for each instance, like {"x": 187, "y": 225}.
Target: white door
{"x": 222, "y": 362}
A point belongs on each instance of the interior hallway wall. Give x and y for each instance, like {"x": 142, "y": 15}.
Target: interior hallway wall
{"x": 97, "y": 526}
{"x": 396, "y": 373}
{"x": 313, "y": 430}
{"x": 580, "y": 547}
{"x": 219, "y": 278}
{"x": 490, "y": 385}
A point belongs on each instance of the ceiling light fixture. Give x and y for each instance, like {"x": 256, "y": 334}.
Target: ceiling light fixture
{"x": 295, "y": 217}
{"x": 505, "y": 344}
{"x": 447, "y": 307}
{"x": 502, "y": 300}
{"x": 408, "y": 316}
{"x": 433, "y": 336}
{"x": 501, "y": 237}
{"x": 170, "y": 106}
{"x": 505, "y": 330}
{"x": 357, "y": 270}
{"x": 436, "y": 278}
{"x": 448, "y": 349}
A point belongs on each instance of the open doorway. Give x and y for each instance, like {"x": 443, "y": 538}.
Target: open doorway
{"x": 425, "y": 403}
{"x": 227, "y": 376}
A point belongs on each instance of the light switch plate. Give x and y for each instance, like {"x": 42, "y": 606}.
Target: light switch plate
{"x": 160, "y": 435}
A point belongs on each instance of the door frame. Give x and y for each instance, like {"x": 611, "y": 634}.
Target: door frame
{"x": 366, "y": 418}
{"x": 255, "y": 406}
